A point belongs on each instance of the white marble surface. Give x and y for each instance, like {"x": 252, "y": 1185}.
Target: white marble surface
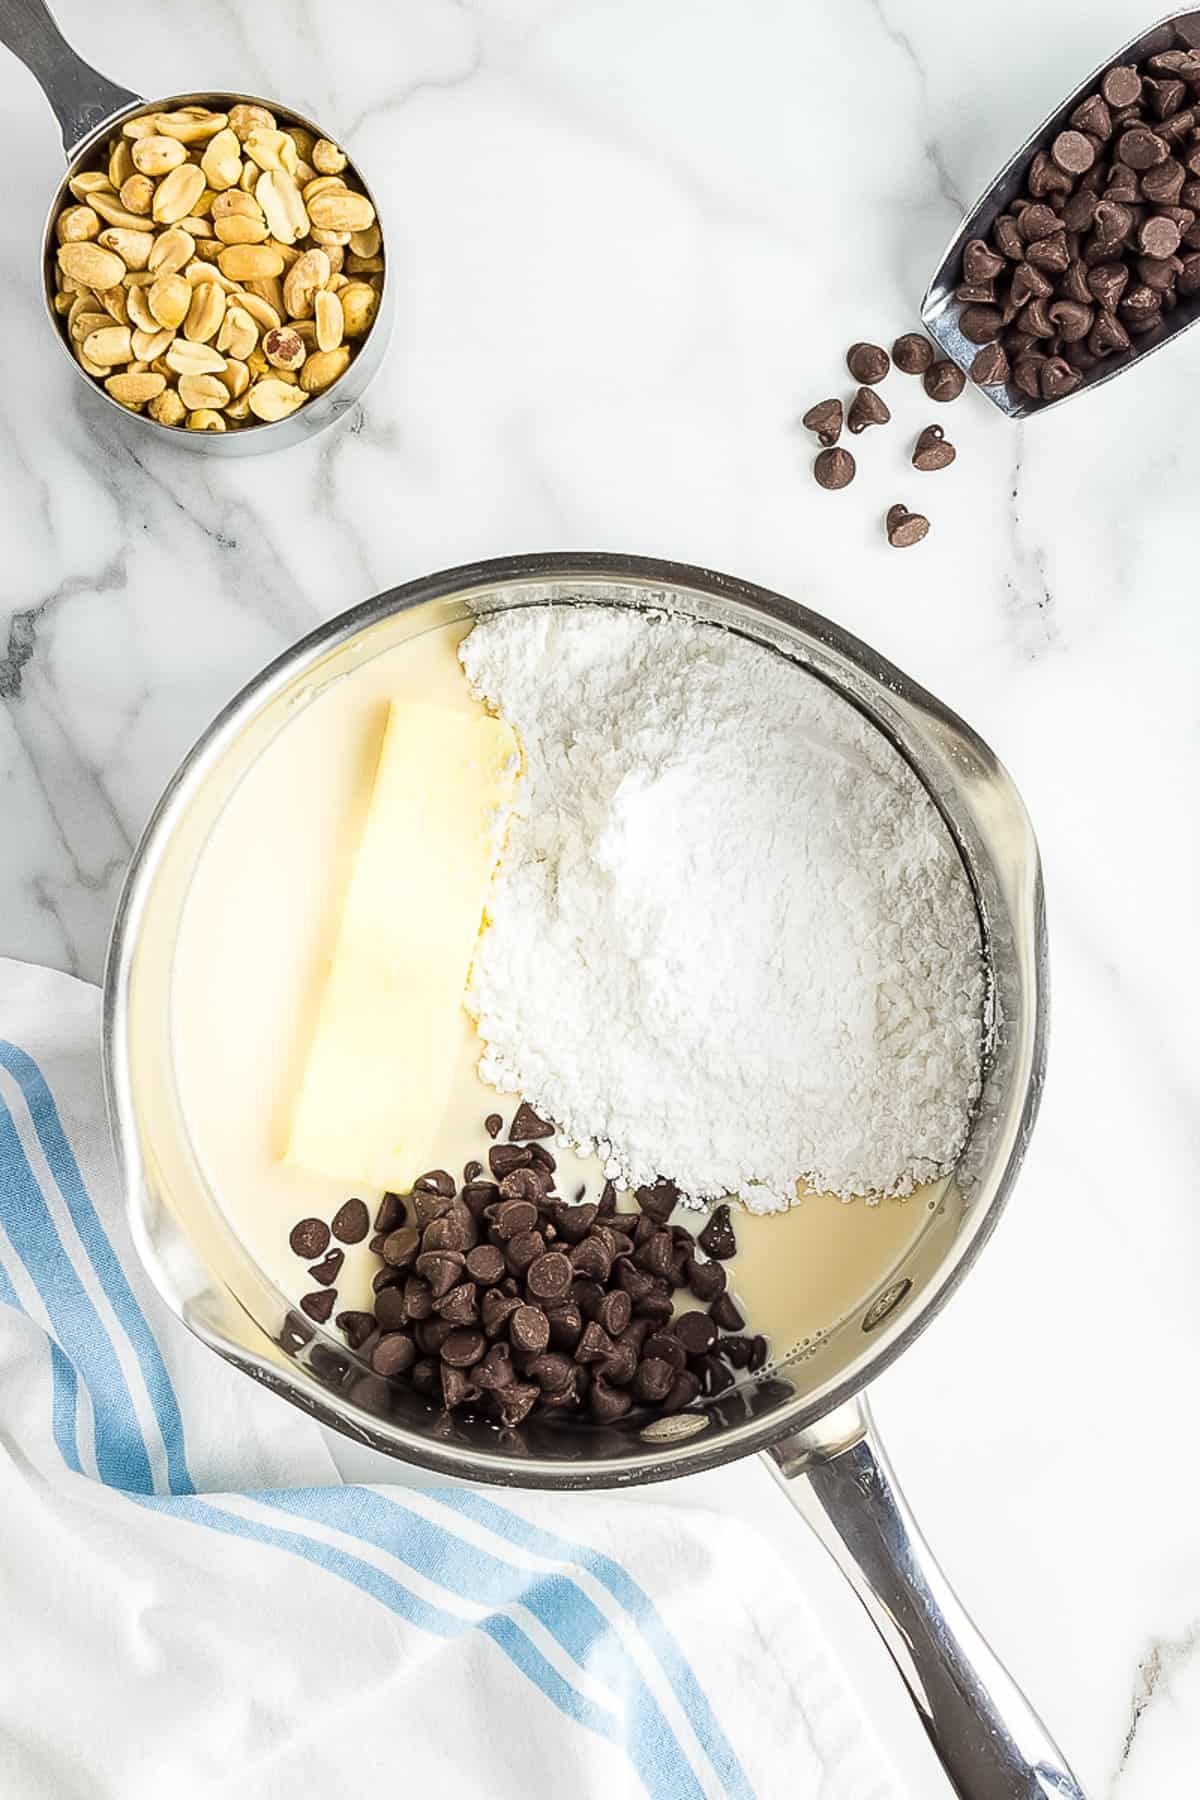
{"x": 632, "y": 239}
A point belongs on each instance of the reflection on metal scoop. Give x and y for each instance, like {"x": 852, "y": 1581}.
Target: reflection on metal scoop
{"x": 940, "y": 310}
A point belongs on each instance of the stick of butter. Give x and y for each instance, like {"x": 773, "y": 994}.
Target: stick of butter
{"x": 375, "y": 1084}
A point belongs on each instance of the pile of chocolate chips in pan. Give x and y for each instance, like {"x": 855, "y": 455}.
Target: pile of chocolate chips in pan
{"x": 497, "y": 1294}
{"x": 1103, "y": 242}
{"x": 835, "y": 466}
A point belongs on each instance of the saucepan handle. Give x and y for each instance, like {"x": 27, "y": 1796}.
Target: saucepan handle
{"x": 82, "y": 98}
{"x": 990, "y": 1742}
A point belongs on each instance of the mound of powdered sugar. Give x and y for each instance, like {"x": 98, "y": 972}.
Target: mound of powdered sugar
{"x": 730, "y": 941}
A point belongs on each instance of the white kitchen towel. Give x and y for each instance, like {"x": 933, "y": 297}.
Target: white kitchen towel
{"x": 195, "y": 1604}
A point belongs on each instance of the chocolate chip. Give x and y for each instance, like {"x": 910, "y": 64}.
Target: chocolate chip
{"x": 460, "y": 1306}
{"x": 400, "y": 1248}
{"x": 1140, "y": 148}
{"x": 990, "y": 367}
{"x": 685, "y": 1389}
{"x": 725, "y": 1313}
{"x": 552, "y": 1371}
{"x": 1007, "y": 234}
{"x": 357, "y": 1326}
{"x": 932, "y": 450}
{"x": 516, "y": 1403}
{"x": 593, "y": 1258}
{"x": 386, "y": 1277}
{"x": 393, "y": 1354}
{"x": 866, "y": 409}
{"x": 462, "y": 1349}
{"x": 351, "y": 1222}
{"x": 523, "y": 1250}
{"x": 825, "y": 418}
{"x": 440, "y": 1270}
{"x": 526, "y": 1124}
{"x": 717, "y": 1239}
{"x": 1059, "y": 378}
{"x": 696, "y": 1332}
{"x": 327, "y": 1272}
{"x": 834, "y": 469}
{"x": 615, "y": 1312}
{"x": 504, "y": 1158}
{"x": 737, "y": 1351}
{"x": 905, "y": 528}
{"x": 714, "y": 1374}
{"x": 1159, "y": 237}
{"x": 319, "y": 1305}
{"x": 436, "y": 1181}
{"x": 574, "y": 1222}
{"x": 512, "y": 1217}
{"x": 621, "y": 1365}
{"x": 944, "y": 381}
{"x": 529, "y": 1329}
{"x": 566, "y": 1326}
{"x": 1073, "y": 152}
{"x": 1050, "y": 254}
{"x": 706, "y": 1279}
{"x": 549, "y": 1276}
{"x": 493, "y": 1125}
{"x": 472, "y": 1171}
{"x": 392, "y": 1212}
{"x": 458, "y": 1388}
{"x": 666, "y": 1347}
{"x": 428, "y": 1206}
{"x": 391, "y": 1311}
{"x": 608, "y": 1403}
{"x": 1122, "y": 86}
{"x": 1093, "y": 116}
{"x": 868, "y": 363}
{"x": 1037, "y": 222}
{"x": 485, "y": 1264}
{"x": 309, "y": 1238}
{"x": 496, "y": 1309}
{"x": 659, "y": 1201}
{"x": 653, "y": 1380}
{"x": 455, "y": 1230}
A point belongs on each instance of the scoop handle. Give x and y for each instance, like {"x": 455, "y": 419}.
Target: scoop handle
{"x": 989, "y": 1740}
{"x": 82, "y": 98}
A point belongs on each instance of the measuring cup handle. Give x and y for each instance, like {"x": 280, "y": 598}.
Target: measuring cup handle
{"x": 989, "y": 1740}
{"x": 82, "y": 98}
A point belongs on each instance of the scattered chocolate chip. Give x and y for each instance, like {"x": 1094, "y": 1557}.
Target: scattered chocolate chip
{"x": 327, "y": 1271}
{"x": 309, "y": 1238}
{"x": 659, "y": 1201}
{"x": 866, "y": 408}
{"x": 351, "y": 1222}
{"x": 471, "y": 1171}
{"x": 834, "y": 469}
{"x": 826, "y": 420}
{"x": 905, "y": 528}
{"x": 526, "y": 1124}
{"x": 725, "y": 1313}
{"x": 493, "y": 1125}
{"x": 932, "y": 449}
{"x": 868, "y": 363}
{"x": 717, "y": 1239}
{"x": 319, "y": 1305}
{"x": 944, "y": 380}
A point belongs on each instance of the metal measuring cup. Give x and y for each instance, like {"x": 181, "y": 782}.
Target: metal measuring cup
{"x": 88, "y": 106}
{"x": 940, "y": 311}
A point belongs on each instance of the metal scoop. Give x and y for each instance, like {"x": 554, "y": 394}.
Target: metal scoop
{"x": 88, "y": 106}
{"x": 940, "y": 311}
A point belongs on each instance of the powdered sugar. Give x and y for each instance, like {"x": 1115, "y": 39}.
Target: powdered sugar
{"x": 730, "y": 940}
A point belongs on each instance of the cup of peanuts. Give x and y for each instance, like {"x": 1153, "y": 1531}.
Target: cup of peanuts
{"x": 215, "y": 267}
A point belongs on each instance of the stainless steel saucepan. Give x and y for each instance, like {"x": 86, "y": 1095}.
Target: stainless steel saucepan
{"x": 809, "y": 1417}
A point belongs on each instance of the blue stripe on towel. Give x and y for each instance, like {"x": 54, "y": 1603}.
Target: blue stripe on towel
{"x": 121, "y": 1455}
{"x": 64, "y": 1387}
{"x": 553, "y": 1599}
{"x": 63, "y": 1166}
{"x": 396, "y": 1597}
{"x": 637, "y": 1603}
